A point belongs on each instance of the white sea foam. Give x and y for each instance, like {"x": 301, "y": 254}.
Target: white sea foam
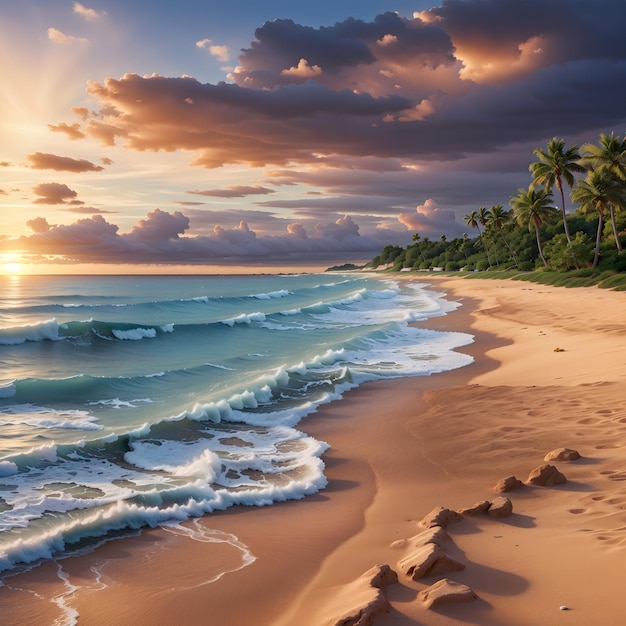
{"x": 178, "y": 458}
{"x": 134, "y": 334}
{"x": 8, "y": 390}
{"x": 116, "y": 403}
{"x": 244, "y": 318}
{"x": 220, "y": 367}
{"x": 281, "y": 293}
{"x": 7, "y": 468}
{"x": 198, "y": 532}
{"x": 30, "y": 332}
{"x": 53, "y": 421}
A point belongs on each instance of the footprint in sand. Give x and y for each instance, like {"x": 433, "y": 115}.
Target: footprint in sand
{"x": 576, "y": 511}
{"x": 616, "y": 501}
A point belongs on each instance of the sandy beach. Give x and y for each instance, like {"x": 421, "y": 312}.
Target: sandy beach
{"x": 548, "y": 373}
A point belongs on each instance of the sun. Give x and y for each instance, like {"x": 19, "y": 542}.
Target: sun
{"x": 11, "y": 268}
{"x": 9, "y": 264}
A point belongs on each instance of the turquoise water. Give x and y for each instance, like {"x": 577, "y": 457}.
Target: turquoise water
{"x": 132, "y": 401}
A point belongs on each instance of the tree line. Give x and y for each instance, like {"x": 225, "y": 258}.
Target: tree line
{"x": 533, "y": 232}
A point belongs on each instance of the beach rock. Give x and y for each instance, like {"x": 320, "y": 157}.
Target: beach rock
{"x": 446, "y": 590}
{"x": 429, "y": 560}
{"x": 436, "y": 535}
{"x": 440, "y": 516}
{"x": 365, "y": 598}
{"x": 546, "y": 476}
{"x": 508, "y": 484}
{"x": 562, "y": 454}
{"x": 476, "y": 509}
{"x": 500, "y": 507}
{"x": 381, "y": 576}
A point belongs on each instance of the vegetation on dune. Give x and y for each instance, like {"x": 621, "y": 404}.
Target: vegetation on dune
{"x": 535, "y": 240}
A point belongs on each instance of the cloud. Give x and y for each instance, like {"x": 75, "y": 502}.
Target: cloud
{"x": 430, "y": 219}
{"x": 72, "y": 131}
{"x": 56, "y": 36}
{"x": 234, "y": 191}
{"x": 226, "y": 123}
{"x": 88, "y": 14}
{"x": 160, "y": 225}
{"x": 55, "y": 193}
{"x": 302, "y": 71}
{"x": 160, "y": 238}
{"x": 347, "y": 52}
{"x": 501, "y": 41}
{"x": 45, "y": 161}
{"x": 88, "y": 210}
{"x": 369, "y": 117}
{"x": 38, "y": 225}
{"x": 429, "y": 88}
{"x": 340, "y": 229}
{"x": 221, "y": 53}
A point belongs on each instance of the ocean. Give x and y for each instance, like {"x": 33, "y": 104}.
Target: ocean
{"x": 139, "y": 401}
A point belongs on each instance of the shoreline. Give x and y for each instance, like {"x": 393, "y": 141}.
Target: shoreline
{"x": 395, "y": 454}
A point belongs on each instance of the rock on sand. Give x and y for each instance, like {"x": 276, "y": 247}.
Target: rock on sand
{"x": 562, "y": 454}
{"x": 546, "y": 476}
{"x": 446, "y": 590}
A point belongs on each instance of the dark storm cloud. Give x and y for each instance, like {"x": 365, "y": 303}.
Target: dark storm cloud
{"x": 281, "y": 44}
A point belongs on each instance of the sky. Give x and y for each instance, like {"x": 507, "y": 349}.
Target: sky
{"x": 158, "y": 136}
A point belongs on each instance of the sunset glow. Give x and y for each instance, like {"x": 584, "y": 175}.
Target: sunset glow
{"x": 211, "y": 139}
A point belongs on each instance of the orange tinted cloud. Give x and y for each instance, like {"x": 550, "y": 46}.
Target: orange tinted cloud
{"x": 71, "y": 130}
{"x": 430, "y": 219}
{"x": 45, "y": 161}
{"x": 55, "y": 193}
{"x": 234, "y": 191}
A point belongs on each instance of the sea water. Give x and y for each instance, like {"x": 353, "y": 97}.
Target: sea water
{"x": 139, "y": 401}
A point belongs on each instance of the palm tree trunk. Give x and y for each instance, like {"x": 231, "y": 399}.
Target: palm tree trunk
{"x": 484, "y": 245}
{"x": 569, "y": 239}
{"x": 618, "y": 243}
{"x": 543, "y": 258}
{"x": 596, "y": 256}
{"x": 565, "y": 226}
{"x": 508, "y": 247}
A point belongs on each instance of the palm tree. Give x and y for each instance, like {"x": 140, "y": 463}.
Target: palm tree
{"x": 475, "y": 219}
{"x": 610, "y": 155}
{"x": 497, "y": 218}
{"x": 555, "y": 165}
{"x": 533, "y": 207}
{"x": 596, "y": 193}
{"x": 483, "y": 218}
